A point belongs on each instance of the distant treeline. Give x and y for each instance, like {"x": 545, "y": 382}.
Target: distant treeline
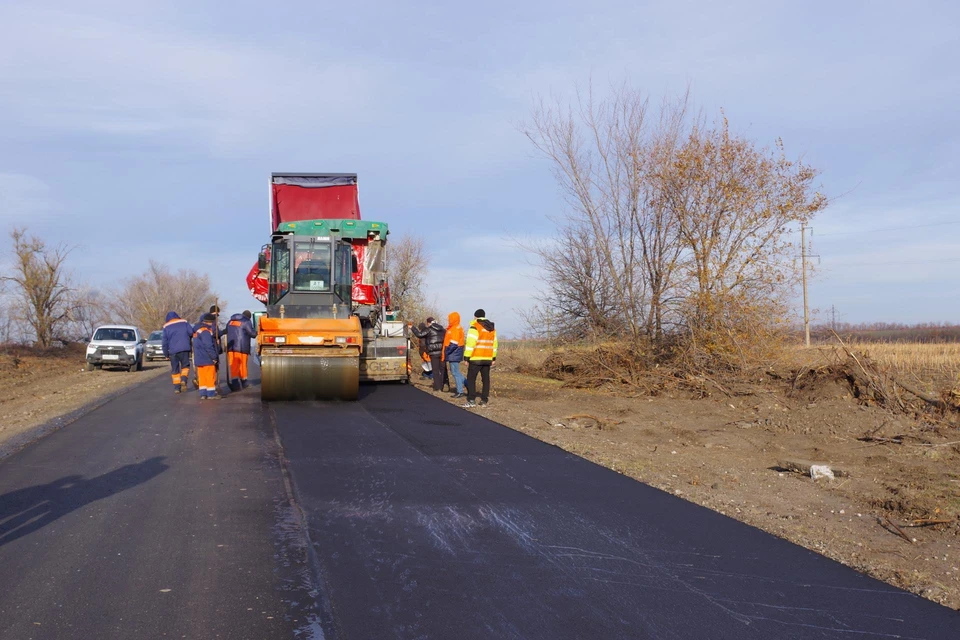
{"x": 888, "y": 332}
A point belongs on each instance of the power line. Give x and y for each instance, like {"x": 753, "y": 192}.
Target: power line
{"x": 880, "y": 230}
{"x": 883, "y": 264}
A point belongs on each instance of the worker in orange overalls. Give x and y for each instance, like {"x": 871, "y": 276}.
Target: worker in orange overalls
{"x": 240, "y": 331}
{"x": 177, "y": 333}
{"x": 205, "y": 357}
{"x": 480, "y": 352}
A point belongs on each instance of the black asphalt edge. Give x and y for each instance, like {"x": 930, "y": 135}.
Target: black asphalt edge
{"x": 33, "y": 434}
{"x": 315, "y": 629}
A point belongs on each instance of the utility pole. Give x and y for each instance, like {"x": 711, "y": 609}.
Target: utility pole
{"x": 806, "y": 307}
{"x": 833, "y": 314}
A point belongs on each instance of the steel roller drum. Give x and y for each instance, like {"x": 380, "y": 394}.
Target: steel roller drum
{"x": 305, "y": 376}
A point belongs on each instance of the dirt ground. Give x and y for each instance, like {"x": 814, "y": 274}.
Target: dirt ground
{"x": 726, "y": 452}
{"x": 40, "y": 387}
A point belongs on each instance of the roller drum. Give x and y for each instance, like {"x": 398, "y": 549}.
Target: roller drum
{"x": 309, "y": 377}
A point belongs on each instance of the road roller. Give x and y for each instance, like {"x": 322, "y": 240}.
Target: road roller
{"x": 328, "y": 323}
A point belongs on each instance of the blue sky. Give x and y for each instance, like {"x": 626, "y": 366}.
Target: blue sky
{"x": 147, "y": 129}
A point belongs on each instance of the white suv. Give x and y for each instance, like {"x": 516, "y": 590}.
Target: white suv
{"x": 116, "y": 345}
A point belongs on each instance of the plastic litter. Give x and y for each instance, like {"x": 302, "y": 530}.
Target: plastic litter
{"x": 818, "y": 471}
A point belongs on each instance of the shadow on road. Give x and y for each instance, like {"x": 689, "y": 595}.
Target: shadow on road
{"x": 26, "y": 510}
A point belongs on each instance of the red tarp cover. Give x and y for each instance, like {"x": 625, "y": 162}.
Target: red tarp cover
{"x": 298, "y": 198}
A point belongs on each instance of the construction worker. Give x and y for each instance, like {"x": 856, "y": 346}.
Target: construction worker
{"x": 431, "y": 341}
{"x": 240, "y": 331}
{"x": 177, "y": 333}
{"x": 205, "y": 358}
{"x": 215, "y": 312}
{"x": 420, "y": 331}
{"x": 480, "y": 352}
{"x": 453, "y": 351}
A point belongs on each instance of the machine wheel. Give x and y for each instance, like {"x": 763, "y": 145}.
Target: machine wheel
{"x": 309, "y": 377}
{"x": 91, "y": 366}
{"x": 140, "y": 364}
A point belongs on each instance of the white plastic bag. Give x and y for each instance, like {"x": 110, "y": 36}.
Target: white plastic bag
{"x": 818, "y": 471}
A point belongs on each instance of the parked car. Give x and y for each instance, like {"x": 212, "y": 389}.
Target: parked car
{"x": 116, "y": 345}
{"x": 154, "y": 347}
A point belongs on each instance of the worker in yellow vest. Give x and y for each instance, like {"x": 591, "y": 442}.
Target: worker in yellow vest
{"x": 480, "y": 352}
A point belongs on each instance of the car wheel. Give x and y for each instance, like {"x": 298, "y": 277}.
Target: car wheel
{"x": 140, "y": 364}
{"x": 91, "y": 366}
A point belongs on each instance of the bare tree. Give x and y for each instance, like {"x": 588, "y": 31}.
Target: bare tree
{"x": 41, "y": 286}
{"x": 145, "y": 299}
{"x": 617, "y": 253}
{"x": 89, "y": 308}
{"x": 409, "y": 262}
{"x": 735, "y": 206}
{"x": 676, "y": 228}
{"x": 579, "y": 300}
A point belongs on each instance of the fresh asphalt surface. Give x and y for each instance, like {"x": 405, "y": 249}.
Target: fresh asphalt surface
{"x": 398, "y": 516}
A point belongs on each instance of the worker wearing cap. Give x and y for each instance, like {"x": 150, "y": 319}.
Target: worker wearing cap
{"x": 240, "y": 331}
{"x": 480, "y": 352}
{"x": 177, "y": 334}
{"x": 205, "y": 358}
{"x": 215, "y": 312}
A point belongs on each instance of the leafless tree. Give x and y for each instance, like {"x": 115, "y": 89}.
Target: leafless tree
{"x": 145, "y": 299}
{"x": 677, "y": 228}
{"x": 89, "y": 308}
{"x": 409, "y": 263}
{"x": 734, "y": 206}
{"x": 608, "y": 157}
{"x": 41, "y": 286}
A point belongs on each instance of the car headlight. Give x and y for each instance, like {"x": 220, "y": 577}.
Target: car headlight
{"x": 91, "y": 349}
{"x": 130, "y": 350}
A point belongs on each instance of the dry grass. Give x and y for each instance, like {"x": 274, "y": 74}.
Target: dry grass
{"x": 935, "y": 365}
{"x": 932, "y": 363}
{"x": 523, "y": 356}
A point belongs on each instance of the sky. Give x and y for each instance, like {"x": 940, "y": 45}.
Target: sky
{"x": 141, "y": 130}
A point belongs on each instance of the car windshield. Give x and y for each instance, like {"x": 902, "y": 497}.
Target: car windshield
{"x": 114, "y": 333}
{"x": 156, "y": 335}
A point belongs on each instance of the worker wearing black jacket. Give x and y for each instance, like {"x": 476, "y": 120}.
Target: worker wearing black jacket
{"x": 431, "y": 341}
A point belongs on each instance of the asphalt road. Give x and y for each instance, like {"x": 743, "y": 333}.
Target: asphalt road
{"x": 398, "y": 516}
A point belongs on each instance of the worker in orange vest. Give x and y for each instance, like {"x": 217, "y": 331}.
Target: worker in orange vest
{"x": 480, "y": 352}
